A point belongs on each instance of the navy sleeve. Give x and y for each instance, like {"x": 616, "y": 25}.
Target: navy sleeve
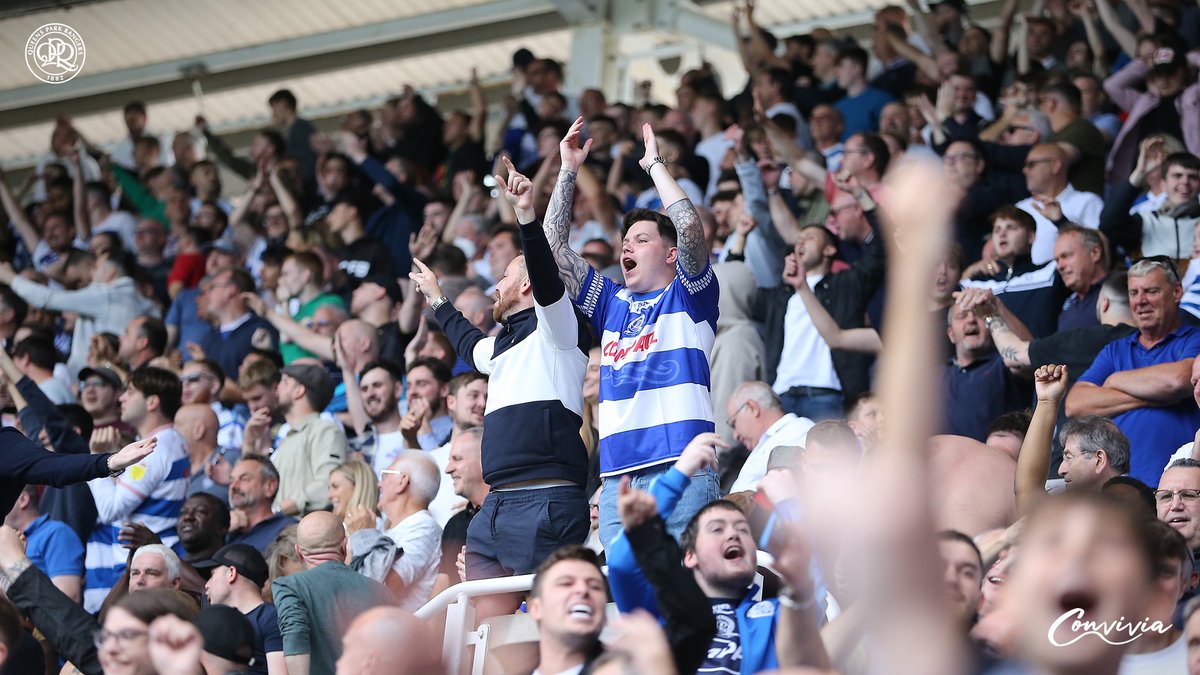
{"x": 548, "y": 287}
{"x": 26, "y": 461}
{"x": 463, "y": 335}
{"x": 1123, "y": 228}
{"x": 62, "y": 436}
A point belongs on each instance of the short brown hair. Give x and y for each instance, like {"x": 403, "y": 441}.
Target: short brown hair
{"x": 311, "y": 262}
{"x": 1010, "y": 212}
{"x": 687, "y": 542}
{"x": 463, "y": 380}
{"x": 259, "y": 373}
{"x": 568, "y": 552}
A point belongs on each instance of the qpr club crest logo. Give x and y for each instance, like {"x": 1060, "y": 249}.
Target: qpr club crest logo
{"x": 55, "y": 53}
{"x": 635, "y": 326}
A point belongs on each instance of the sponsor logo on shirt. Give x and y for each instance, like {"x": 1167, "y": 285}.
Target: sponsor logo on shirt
{"x": 644, "y": 343}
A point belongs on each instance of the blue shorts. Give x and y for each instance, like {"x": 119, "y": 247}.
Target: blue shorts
{"x": 515, "y": 531}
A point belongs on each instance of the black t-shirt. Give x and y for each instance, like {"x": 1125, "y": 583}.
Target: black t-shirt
{"x": 454, "y": 537}
{"x": 1162, "y": 119}
{"x": 363, "y": 258}
{"x": 267, "y": 638}
{"x": 392, "y": 343}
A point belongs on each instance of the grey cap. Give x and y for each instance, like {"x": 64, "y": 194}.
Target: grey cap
{"x": 318, "y": 385}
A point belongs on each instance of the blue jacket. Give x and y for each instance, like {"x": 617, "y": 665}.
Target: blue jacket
{"x": 630, "y": 589}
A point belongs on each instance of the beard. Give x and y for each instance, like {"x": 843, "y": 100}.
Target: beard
{"x": 504, "y": 302}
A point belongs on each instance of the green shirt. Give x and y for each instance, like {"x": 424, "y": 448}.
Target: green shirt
{"x": 290, "y": 350}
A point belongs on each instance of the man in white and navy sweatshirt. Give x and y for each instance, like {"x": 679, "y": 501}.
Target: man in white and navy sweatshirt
{"x": 533, "y": 456}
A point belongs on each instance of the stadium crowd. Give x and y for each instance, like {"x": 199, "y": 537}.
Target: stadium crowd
{"x": 917, "y": 318}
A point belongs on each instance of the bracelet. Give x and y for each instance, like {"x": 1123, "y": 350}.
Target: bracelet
{"x": 656, "y": 160}
{"x": 786, "y": 599}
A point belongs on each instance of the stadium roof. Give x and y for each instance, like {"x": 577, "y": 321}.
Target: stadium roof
{"x": 226, "y": 56}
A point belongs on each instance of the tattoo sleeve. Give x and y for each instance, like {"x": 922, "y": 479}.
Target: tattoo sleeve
{"x": 1013, "y": 350}
{"x": 572, "y": 269}
{"x": 693, "y": 254}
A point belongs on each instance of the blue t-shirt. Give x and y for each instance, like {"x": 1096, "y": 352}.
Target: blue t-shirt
{"x": 655, "y": 392}
{"x": 1154, "y": 433}
{"x": 182, "y": 314}
{"x": 53, "y": 548}
{"x": 862, "y": 112}
{"x": 725, "y": 651}
{"x": 267, "y": 639}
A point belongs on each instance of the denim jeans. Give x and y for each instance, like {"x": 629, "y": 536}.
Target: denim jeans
{"x": 704, "y": 488}
{"x": 816, "y": 407}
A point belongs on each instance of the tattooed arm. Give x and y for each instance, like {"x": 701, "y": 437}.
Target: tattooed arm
{"x": 572, "y": 269}
{"x": 693, "y": 253}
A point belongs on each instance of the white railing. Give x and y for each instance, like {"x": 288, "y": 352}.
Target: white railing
{"x": 461, "y": 631}
{"x": 460, "y": 613}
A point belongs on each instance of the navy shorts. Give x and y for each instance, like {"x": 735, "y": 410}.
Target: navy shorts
{"x": 515, "y": 531}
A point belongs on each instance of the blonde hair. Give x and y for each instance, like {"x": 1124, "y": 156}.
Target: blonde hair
{"x": 284, "y": 546}
{"x": 366, "y": 486}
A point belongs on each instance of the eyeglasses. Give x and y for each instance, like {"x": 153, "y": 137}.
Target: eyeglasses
{"x": 123, "y": 637}
{"x": 1030, "y": 163}
{"x": 1165, "y": 497}
{"x": 396, "y": 472}
{"x": 88, "y": 384}
{"x": 1017, "y": 127}
{"x": 1071, "y": 457}
{"x": 736, "y": 412}
{"x": 193, "y": 378}
{"x": 959, "y": 156}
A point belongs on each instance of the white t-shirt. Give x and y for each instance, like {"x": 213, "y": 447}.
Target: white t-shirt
{"x": 1172, "y": 659}
{"x": 1081, "y": 208}
{"x": 447, "y": 503}
{"x": 787, "y": 430}
{"x": 124, "y": 225}
{"x": 387, "y": 448}
{"x": 806, "y": 360}
{"x": 421, "y": 539}
{"x": 57, "y": 392}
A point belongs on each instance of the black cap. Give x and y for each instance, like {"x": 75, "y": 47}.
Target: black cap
{"x": 1166, "y": 60}
{"x": 107, "y": 374}
{"x": 960, "y": 5}
{"x": 227, "y": 633}
{"x": 244, "y": 558}
{"x": 317, "y": 383}
{"x": 388, "y": 284}
{"x": 226, "y": 247}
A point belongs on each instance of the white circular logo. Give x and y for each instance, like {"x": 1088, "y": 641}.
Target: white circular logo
{"x": 55, "y": 53}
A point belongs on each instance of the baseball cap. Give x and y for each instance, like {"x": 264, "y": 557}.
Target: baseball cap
{"x": 109, "y": 375}
{"x": 388, "y": 284}
{"x": 317, "y": 383}
{"x": 1166, "y": 60}
{"x": 227, "y": 633}
{"x": 242, "y": 557}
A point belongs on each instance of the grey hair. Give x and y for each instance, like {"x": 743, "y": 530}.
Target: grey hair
{"x": 423, "y": 477}
{"x": 472, "y": 431}
{"x": 1097, "y": 433}
{"x": 1142, "y": 267}
{"x": 172, "y": 560}
{"x": 759, "y": 392}
{"x": 1039, "y": 122}
{"x": 1185, "y": 463}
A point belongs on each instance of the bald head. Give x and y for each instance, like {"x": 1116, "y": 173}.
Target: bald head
{"x": 1046, "y": 170}
{"x": 197, "y": 422}
{"x": 320, "y": 533}
{"x": 359, "y": 337}
{"x": 387, "y": 640}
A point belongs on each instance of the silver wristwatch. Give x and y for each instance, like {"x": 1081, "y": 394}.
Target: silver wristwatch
{"x": 438, "y": 303}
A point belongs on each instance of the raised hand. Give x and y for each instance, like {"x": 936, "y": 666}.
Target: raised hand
{"x": 422, "y": 243}
{"x": 1050, "y": 383}
{"x": 700, "y": 453}
{"x": 569, "y": 151}
{"x": 1048, "y": 207}
{"x": 1150, "y": 156}
{"x": 981, "y": 301}
{"x": 634, "y": 506}
{"x": 359, "y": 518}
{"x": 426, "y": 280}
{"x": 745, "y": 224}
{"x": 130, "y": 454}
{"x": 175, "y": 645}
{"x": 793, "y": 271}
{"x": 848, "y": 183}
{"x": 518, "y": 191}
{"x": 651, "y": 143}
{"x": 103, "y": 440}
{"x": 136, "y": 535}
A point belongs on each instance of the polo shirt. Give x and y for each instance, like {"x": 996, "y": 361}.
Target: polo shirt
{"x": 1154, "y": 432}
{"x": 53, "y": 548}
{"x": 980, "y": 393}
{"x": 262, "y": 535}
{"x": 1080, "y": 312}
{"x": 1081, "y": 208}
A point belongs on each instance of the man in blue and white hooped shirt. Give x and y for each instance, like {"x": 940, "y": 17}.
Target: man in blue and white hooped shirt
{"x": 656, "y": 333}
{"x": 149, "y": 493}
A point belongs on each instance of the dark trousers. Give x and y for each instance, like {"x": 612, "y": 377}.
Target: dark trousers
{"x": 515, "y": 531}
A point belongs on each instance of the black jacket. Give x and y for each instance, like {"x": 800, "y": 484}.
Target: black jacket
{"x": 845, "y": 295}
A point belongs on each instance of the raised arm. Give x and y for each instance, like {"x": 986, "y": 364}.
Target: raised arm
{"x": 864, "y": 340}
{"x": 1124, "y": 38}
{"x": 83, "y": 222}
{"x": 999, "y": 46}
{"x": 1034, "y": 461}
{"x": 25, "y": 228}
{"x": 572, "y": 268}
{"x": 478, "y": 109}
{"x": 693, "y": 254}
